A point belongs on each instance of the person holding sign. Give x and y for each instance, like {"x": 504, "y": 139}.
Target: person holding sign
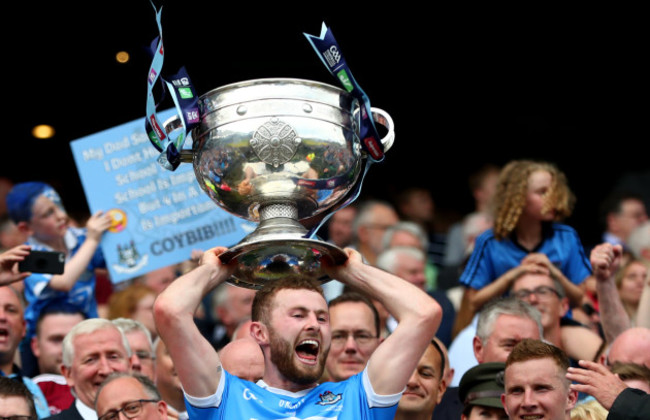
{"x": 37, "y": 210}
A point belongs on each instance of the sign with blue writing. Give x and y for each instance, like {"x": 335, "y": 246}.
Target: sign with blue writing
{"x": 159, "y": 216}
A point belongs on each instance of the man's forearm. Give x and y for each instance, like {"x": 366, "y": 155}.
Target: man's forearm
{"x": 400, "y": 298}
{"x": 75, "y": 267}
{"x": 419, "y": 316}
{"x": 643, "y": 313}
{"x": 195, "y": 360}
{"x": 612, "y": 313}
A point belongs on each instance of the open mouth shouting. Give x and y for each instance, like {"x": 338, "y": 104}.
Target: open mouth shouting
{"x": 307, "y": 351}
{"x": 4, "y": 334}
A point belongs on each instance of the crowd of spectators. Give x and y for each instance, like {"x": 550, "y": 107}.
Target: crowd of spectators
{"x": 519, "y": 294}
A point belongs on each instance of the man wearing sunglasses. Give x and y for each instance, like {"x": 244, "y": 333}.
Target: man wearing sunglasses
{"x": 132, "y": 395}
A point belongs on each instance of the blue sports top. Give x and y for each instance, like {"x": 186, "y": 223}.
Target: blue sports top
{"x": 491, "y": 258}
{"x": 351, "y": 399}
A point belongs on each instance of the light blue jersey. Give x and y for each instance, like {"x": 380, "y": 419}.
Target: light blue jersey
{"x": 352, "y": 399}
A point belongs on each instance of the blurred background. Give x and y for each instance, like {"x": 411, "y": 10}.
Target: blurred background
{"x": 465, "y": 85}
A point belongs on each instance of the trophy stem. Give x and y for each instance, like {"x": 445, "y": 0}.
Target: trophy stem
{"x": 287, "y": 210}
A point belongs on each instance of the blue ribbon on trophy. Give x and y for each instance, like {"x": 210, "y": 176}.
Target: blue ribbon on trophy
{"x": 185, "y": 99}
{"x": 188, "y": 116}
{"x": 330, "y": 54}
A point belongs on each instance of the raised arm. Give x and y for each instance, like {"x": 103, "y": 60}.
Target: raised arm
{"x": 392, "y": 364}
{"x": 195, "y": 360}
{"x": 605, "y": 259}
{"x": 75, "y": 267}
{"x": 643, "y": 313}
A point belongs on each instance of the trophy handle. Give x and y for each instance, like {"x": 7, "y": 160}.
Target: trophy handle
{"x": 172, "y": 124}
{"x": 382, "y": 117}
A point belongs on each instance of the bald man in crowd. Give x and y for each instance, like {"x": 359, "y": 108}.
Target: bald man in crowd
{"x": 243, "y": 358}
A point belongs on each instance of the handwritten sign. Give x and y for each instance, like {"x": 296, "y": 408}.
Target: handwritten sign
{"x": 158, "y": 216}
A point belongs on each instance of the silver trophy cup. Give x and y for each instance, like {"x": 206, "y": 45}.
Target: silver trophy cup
{"x": 278, "y": 152}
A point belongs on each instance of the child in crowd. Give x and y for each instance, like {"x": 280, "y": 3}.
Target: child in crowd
{"x": 531, "y": 198}
{"x": 37, "y": 210}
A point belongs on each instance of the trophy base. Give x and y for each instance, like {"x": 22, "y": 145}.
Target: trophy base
{"x": 265, "y": 255}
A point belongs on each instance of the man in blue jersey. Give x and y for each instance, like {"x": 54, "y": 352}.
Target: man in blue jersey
{"x": 291, "y": 325}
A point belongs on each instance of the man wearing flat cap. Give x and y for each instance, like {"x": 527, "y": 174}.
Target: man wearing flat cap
{"x": 480, "y": 391}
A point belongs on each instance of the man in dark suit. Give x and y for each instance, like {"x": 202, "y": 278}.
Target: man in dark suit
{"x": 92, "y": 350}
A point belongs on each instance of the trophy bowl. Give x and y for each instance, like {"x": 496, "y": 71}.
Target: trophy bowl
{"x": 277, "y": 152}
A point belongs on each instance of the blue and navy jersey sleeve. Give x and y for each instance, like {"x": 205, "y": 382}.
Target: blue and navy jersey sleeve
{"x": 576, "y": 266}
{"x": 479, "y": 270}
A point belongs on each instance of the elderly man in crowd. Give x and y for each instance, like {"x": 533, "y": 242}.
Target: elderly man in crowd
{"x": 139, "y": 338}
{"x": 92, "y": 350}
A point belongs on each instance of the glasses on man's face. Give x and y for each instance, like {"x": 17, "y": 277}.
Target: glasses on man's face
{"x": 542, "y": 292}
{"x": 131, "y": 409}
{"x": 339, "y": 338}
